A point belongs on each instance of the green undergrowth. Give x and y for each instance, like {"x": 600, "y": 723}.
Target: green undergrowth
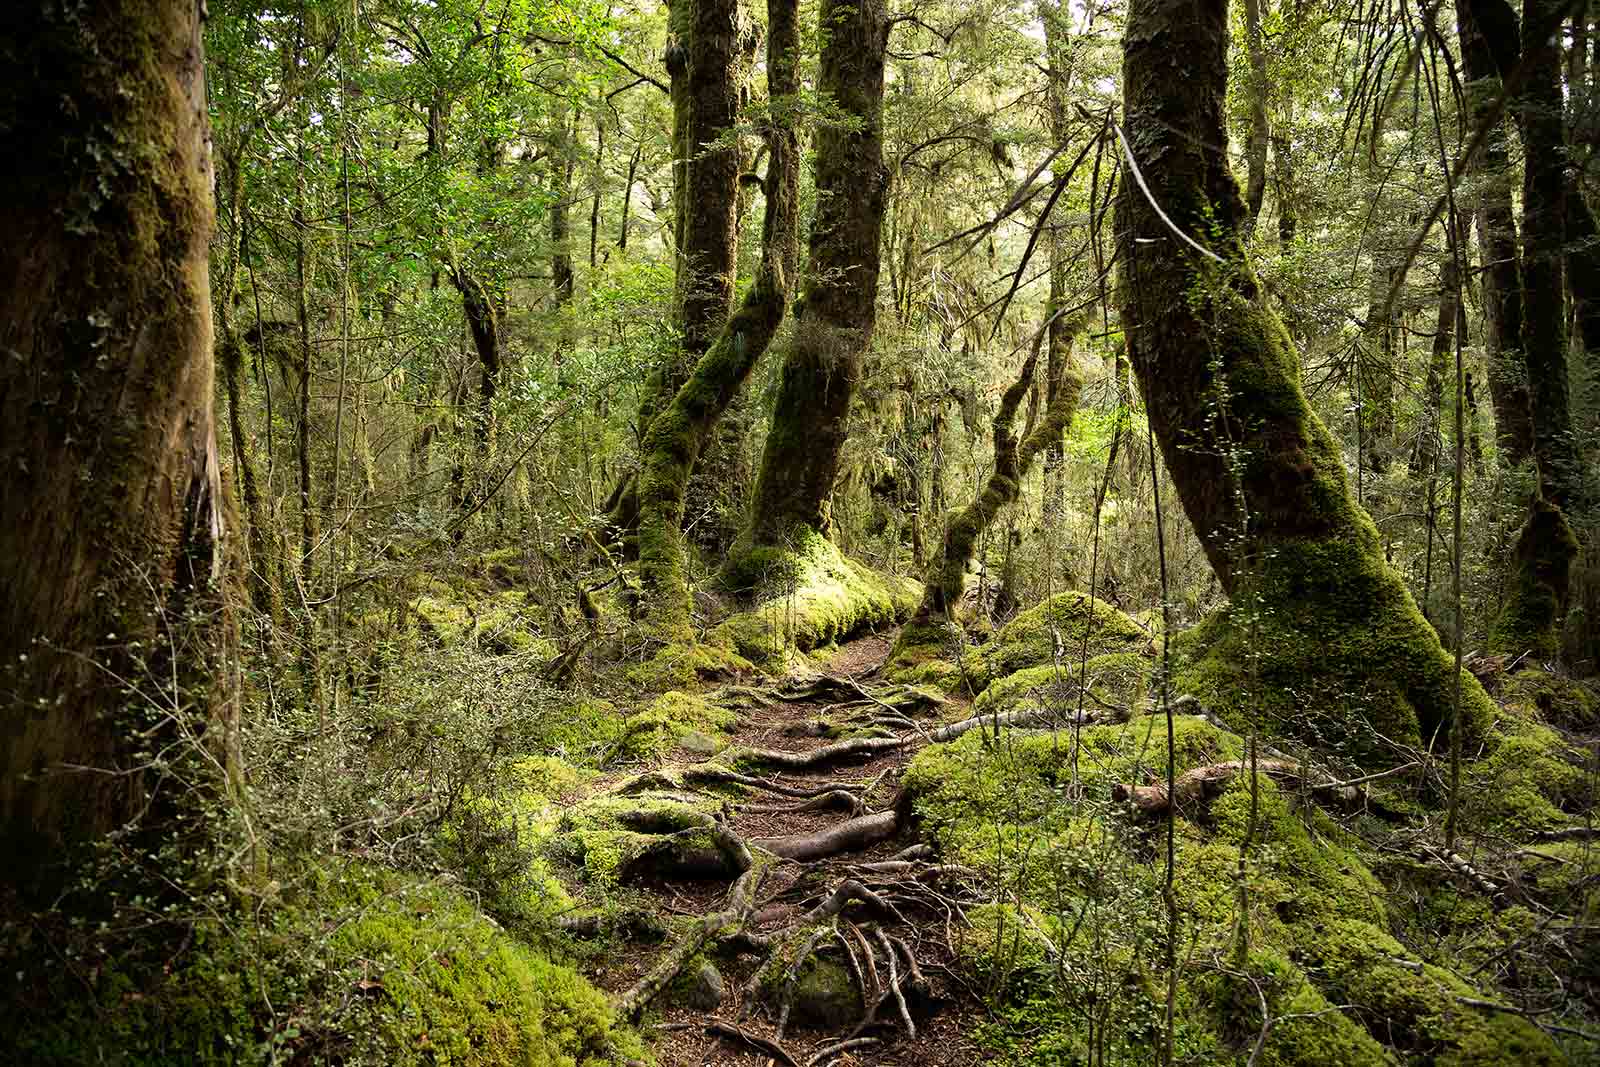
{"x": 1072, "y": 951}
{"x": 1113, "y": 682}
{"x": 806, "y": 597}
{"x": 358, "y": 966}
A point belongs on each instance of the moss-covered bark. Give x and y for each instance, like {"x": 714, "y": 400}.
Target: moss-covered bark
{"x": 1013, "y": 459}
{"x": 677, "y": 435}
{"x": 1258, "y": 474}
{"x": 839, "y": 305}
{"x": 1527, "y": 57}
{"x": 110, "y": 519}
{"x": 483, "y": 322}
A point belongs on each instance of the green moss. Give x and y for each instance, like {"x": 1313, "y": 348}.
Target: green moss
{"x": 1342, "y": 659}
{"x": 1524, "y": 781}
{"x": 649, "y": 734}
{"x": 809, "y": 596}
{"x": 615, "y": 838}
{"x": 683, "y": 665}
{"x": 499, "y": 622}
{"x": 367, "y": 966}
{"x": 582, "y": 733}
{"x": 1530, "y": 620}
{"x": 1565, "y": 702}
{"x": 1056, "y": 629}
{"x": 1114, "y": 679}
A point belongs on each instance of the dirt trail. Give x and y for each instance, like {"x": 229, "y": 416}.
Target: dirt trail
{"x": 874, "y": 904}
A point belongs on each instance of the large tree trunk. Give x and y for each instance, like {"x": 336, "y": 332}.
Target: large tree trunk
{"x": 110, "y": 519}
{"x": 1317, "y": 612}
{"x": 678, "y": 434}
{"x": 1531, "y": 618}
{"x": 839, "y": 306}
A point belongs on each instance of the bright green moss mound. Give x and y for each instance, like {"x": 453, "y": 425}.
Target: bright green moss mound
{"x": 495, "y": 622}
{"x": 1343, "y": 669}
{"x": 1314, "y": 932}
{"x": 1114, "y": 681}
{"x": 1056, "y": 630}
{"x": 684, "y": 665}
{"x": 649, "y": 734}
{"x": 810, "y": 596}
{"x": 370, "y": 967}
{"x": 1561, "y": 701}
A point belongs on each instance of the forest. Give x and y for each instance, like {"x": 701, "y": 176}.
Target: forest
{"x": 561, "y": 533}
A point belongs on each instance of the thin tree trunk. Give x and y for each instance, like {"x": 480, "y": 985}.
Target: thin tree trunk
{"x": 483, "y": 322}
{"x": 561, "y": 167}
{"x": 111, "y": 537}
{"x": 1255, "y": 146}
{"x": 839, "y": 308}
{"x": 1425, "y": 457}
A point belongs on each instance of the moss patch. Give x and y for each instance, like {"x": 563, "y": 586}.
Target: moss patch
{"x": 1055, "y": 630}
{"x": 810, "y": 596}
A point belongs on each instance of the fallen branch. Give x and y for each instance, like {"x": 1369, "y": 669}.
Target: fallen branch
{"x": 1205, "y": 783}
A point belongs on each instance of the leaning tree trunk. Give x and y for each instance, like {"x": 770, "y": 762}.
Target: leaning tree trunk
{"x": 707, "y": 60}
{"x": 839, "y": 305}
{"x": 110, "y": 518}
{"x": 1317, "y": 611}
{"x": 946, "y": 578}
{"x": 677, "y": 435}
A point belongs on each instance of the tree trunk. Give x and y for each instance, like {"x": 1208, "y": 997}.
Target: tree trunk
{"x": 706, "y": 61}
{"x": 561, "y": 167}
{"x": 110, "y": 511}
{"x": 483, "y": 322}
{"x": 1259, "y": 476}
{"x": 1425, "y": 457}
{"x": 677, "y": 435}
{"x": 1531, "y": 617}
{"x": 946, "y": 578}
{"x": 839, "y": 305}
{"x": 1255, "y": 146}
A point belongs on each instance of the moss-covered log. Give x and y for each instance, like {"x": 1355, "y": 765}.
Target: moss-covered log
{"x": 838, "y": 309}
{"x": 1258, "y": 474}
{"x": 677, "y": 435}
{"x": 110, "y": 511}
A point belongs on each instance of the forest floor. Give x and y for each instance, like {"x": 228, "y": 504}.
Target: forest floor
{"x": 925, "y": 1017}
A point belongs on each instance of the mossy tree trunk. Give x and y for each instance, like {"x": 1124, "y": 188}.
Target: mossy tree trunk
{"x": 1013, "y": 458}
{"x": 838, "y": 307}
{"x": 562, "y": 163}
{"x": 1258, "y": 475}
{"x": 111, "y": 540}
{"x": 678, "y": 434}
{"x": 707, "y": 55}
{"x": 1497, "y": 238}
{"x": 1425, "y": 457}
{"x": 1530, "y": 53}
{"x": 483, "y": 322}
{"x": 1255, "y": 149}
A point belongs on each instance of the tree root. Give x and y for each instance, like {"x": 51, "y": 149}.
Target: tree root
{"x": 833, "y": 798}
{"x": 741, "y": 904}
{"x": 852, "y": 835}
{"x": 1203, "y": 784}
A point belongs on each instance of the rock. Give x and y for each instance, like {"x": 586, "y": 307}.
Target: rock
{"x": 701, "y": 744}
{"x": 825, "y": 998}
{"x": 701, "y": 988}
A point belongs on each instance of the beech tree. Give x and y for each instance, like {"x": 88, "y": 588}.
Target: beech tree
{"x": 110, "y": 503}
{"x": 1317, "y": 609}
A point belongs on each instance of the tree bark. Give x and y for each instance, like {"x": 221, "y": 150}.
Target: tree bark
{"x": 677, "y": 435}
{"x": 561, "y": 168}
{"x": 1255, "y": 147}
{"x": 111, "y": 538}
{"x": 1259, "y": 476}
{"x": 838, "y": 308}
{"x": 483, "y": 322}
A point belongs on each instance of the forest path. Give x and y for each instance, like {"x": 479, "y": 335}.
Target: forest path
{"x": 851, "y": 935}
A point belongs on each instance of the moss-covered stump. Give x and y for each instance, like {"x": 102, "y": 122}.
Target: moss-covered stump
{"x": 688, "y": 664}
{"x": 1312, "y": 933}
{"x": 1353, "y": 673}
{"x": 1530, "y": 620}
{"x": 806, "y": 597}
{"x": 616, "y": 839}
{"x": 1055, "y": 631}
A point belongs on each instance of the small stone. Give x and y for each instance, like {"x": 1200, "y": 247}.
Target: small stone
{"x": 702, "y": 989}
